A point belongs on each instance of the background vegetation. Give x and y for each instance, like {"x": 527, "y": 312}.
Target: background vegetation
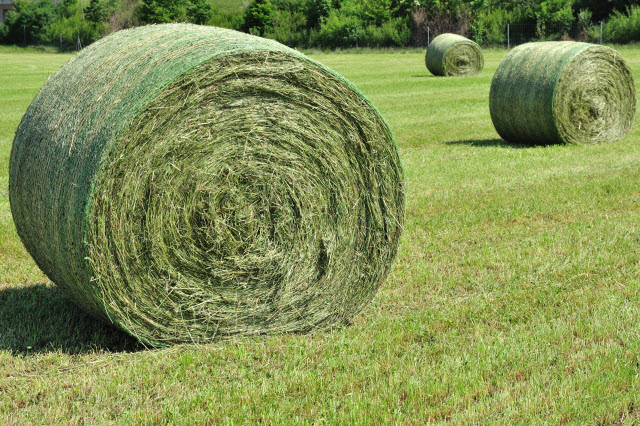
{"x": 331, "y": 23}
{"x": 515, "y": 297}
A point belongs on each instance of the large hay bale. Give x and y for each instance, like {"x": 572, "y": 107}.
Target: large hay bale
{"x": 562, "y": 92}
{"x": 454, "y": 55}
{"x": 188, "y": 183}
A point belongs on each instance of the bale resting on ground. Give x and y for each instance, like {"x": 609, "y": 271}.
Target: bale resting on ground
{"x": 562, "y": 92}
{"x": 191, "y": 183}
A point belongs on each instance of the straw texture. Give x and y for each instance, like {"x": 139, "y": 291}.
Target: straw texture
{"x": 191, "y": 183}
{"x": 454, "y": 55}
{"x": 562, "y": 92}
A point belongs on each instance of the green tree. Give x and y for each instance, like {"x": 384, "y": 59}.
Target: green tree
{"x": 376, "y": 12}
{"x": 96, "y": 11}
{"x": 558, "y": 13}
{"x": 29, "y": 20}
{"x": 162, "y": 11}
{"x": 258, "y": 17}
{"x": 199, "y": 12}
{"x": 315, "y": 10}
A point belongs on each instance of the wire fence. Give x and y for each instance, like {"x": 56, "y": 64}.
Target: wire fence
{"x": 511, "y": 35}
{"x": 516, "y": 34}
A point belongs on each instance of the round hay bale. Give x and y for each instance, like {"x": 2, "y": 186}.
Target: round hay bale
{"x": 191, "y": 183}
{"x": 562, "y": 92}
{"x": 454, "y": 55}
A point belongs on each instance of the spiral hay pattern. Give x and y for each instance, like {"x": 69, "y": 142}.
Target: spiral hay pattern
{"x": 191, "y": 183}
{"x": 454, "y": 55}
{"x": 562, "y": 92}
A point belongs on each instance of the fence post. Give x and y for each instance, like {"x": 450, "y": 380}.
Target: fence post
{"x": 428, "y": 37}
{"x": 600, "y": 38}
{"x": 357, "y": 44}
{"x": 24, "y": 34}
{"x": 61, "y": 42}
{"x": 508, "y": 40}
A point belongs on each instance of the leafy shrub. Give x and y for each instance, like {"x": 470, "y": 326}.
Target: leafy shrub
{"x": 429, "y": 23}
{"x": 199, "y": 12}
{"x": 4, "y": 31}
{"x": 96, "y": 11}
{"x": 315, "y": 10}
{"x": 225, "y": 20}
{"x": 393, "y": 33}
{"x": 622, "y": 27}
{"x": 494, "y": 25}
{"x": 162, "y": 11}
{"x": 66, "y": 31}
{"x": 338, "y": 30}
{"x": 556, "y": 14}
{"x": 124, "y": 16}
{"x": 28, "y": 21}
{"x": 288, "y": 28}
{"x": 258, "y": 18}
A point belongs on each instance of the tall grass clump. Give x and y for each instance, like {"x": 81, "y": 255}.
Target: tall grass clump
{"x": 191, "y": 183}
{"x": 562, "y": 92}
{"x": 454, "y": 55}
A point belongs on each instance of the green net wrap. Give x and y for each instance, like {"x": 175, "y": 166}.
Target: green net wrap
{"x": 191, "y": 183}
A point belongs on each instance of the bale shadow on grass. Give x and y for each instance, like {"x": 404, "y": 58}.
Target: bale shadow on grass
{"x": 40, "y": 319}
{"x": 490, "y": 143}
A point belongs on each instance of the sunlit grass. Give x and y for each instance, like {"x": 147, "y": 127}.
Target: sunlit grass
{"x": 515, "y": 296}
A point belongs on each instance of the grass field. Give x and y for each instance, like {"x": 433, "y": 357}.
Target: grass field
{"x": 515, "y": 296}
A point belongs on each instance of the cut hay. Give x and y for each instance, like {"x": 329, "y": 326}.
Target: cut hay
{"x": 454, "y": 55}
{"x": 562, "y": 92}
{"x": 192, "y": 183}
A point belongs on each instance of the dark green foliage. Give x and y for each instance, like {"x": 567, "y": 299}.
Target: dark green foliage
{"x": 162, "y": 11}
{"x": 258, "y": 17}
{"x": 375, "y": 23}
{"x": 603, "y": 9}
{"x": 288, "y": 28}
{"x": 4, "y": 32}
{"x": 315, "y": 10}
{"x": 199, "y": 12}
{"x": 67, "y": 8}
{"x": 96, "y": 11}
{"x": 393, "y": 33}
{"x": 27, "y": 23}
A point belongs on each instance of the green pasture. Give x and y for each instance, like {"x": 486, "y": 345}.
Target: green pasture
{"x": 515, "y": 296}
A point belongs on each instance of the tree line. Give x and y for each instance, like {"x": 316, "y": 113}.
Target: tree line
{"x": 330, "y": 24}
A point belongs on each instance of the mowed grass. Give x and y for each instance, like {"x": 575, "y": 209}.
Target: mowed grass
{"x": 515, "y": 296}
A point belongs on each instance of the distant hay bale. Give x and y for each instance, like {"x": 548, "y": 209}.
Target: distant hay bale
{"x": 562, "y": 92}
{"x": 191, "y": 183}
{"x": 454, "y": 55}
